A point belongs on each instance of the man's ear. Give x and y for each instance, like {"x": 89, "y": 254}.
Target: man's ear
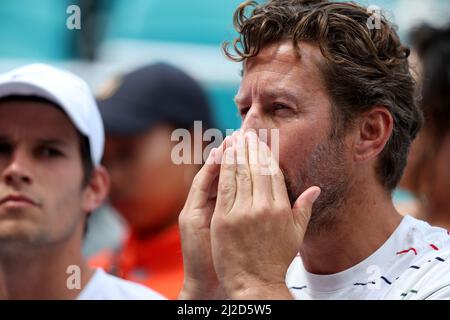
{"x": 97, "y": 190}
{"x": 373, "y": 132}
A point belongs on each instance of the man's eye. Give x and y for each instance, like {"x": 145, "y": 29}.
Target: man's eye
{"x": 50, "y": 152}
{"x": 279, "y": 106}
{"x": 5, "y": 148}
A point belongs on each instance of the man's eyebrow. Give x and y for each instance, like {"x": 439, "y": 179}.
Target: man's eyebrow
{"x": 272, "y": 94}
{"x": 53, "y": 142}
{"x": 283, "y": 94}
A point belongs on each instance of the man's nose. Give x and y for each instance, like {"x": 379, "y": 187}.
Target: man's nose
{"x": 17, "y": 173}
{"x": 259, "y": 123}
{"x": 253, "y": 120}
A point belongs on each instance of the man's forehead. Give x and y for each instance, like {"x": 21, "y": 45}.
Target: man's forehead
{"x": 32, "y": 109}
{"x": 34, "y": 119}
{"x": 285, "y": 58}
{"x": 278, "y": 68}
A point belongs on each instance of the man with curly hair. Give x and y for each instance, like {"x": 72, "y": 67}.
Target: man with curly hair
{"x": 337, "y": 87}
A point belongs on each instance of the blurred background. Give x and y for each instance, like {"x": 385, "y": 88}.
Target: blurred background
{"x": 117, "y": 36}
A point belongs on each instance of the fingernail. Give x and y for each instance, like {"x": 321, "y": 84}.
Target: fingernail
{"x": 316, "y": 194}
{"x": 251, "y": 136}
{"x": 226, "y": 142}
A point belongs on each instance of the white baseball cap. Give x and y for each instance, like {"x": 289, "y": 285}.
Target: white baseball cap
{"x": 66, "y": 90}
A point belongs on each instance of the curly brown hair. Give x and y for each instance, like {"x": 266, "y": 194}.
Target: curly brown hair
{"x": 364, "y": 67}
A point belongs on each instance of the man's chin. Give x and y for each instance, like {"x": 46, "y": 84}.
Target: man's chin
{"x": 17, "y": 224}
{"x": 14, "y": 238}
{"x": 16, "y": 212}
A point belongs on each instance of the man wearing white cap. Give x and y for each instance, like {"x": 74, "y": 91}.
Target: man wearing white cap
{"x": 51, "y": 145}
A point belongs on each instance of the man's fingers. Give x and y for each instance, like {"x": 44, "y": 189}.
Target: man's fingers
{"x": 226, "y": 191}
{"x": 243, "y": 175}
{"x": 261, "y": 180}
{"x": 201, "y": 186}
{"x": 199, "y": 192}
{"x": 279, "y": 189}
{"x": 303, "y": 206}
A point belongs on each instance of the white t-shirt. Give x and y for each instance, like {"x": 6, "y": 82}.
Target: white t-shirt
{"x": 414, "y": 263}
{"x": 103, "y": 286}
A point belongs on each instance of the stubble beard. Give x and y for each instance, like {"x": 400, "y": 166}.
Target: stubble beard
{"x": 326, "y": 168}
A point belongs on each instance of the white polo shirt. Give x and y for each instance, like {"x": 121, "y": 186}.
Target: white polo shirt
{"x": 414, "y": 263}
{"x": 104, "y": 286}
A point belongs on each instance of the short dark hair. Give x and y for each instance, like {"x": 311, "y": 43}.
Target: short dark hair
{"x": 433, "y": 47}
{"x": 363, "y": 67}
{"x": 85, "y": 150}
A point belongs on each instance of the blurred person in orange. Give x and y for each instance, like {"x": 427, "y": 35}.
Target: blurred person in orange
{"x": 147, "y": 187}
